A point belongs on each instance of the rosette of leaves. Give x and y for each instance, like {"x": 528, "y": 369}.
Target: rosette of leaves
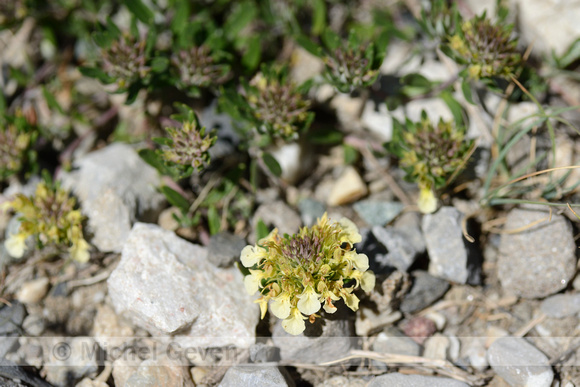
{"x": 440, "y": 20}
{"x": 298, "y": 275}
{"x": 271, "y": 105}
{"x": 51, "y": 218}
{"x": 430, "y": 154}
{"x": 16, "y": 140}
{"x": 197, "y": 67}
{"x": 128, "y": 59}
{"x": 350, "y": 63}
{"x": 487, "y": 49}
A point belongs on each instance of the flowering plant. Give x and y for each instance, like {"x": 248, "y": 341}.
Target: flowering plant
{"x": 298, "y": 273}
{"x": 50, "y": 217}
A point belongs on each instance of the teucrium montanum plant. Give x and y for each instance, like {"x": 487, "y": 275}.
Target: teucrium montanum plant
{"x": 50, "y": 216}
{"x": 299, "y": 274}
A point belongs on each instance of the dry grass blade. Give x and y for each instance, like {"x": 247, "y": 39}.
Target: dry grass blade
{"x": 442, "y": 366}
{"x": 523, "y": 228}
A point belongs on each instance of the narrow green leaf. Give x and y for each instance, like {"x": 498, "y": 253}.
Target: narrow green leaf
{"x": 51, "y": 101}
{"x": 318, "y": 17}
{"x": 213, "y": 220}
{"x": 466, "y": 89}
{"x": 240, "y": 17}
{"x": 175, "y": 198}
{"x": 253, "y": 53}
{"x": 152, "y": 158}
{"x": 93, "y": 72}
{"x": 140, "y": 10}
{"x": 308, "y": 45}
{"x": 454, "y": 106}
{"x": 326, "y": 136}
{"x": 272, "y": 164}
{"x": 262, "y": 230}
{"x": 350, "y": 154}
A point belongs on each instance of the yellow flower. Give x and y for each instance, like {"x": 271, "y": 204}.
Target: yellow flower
{"x": 350, "y": 300}
{"x": 367, "y": 282}
{"x": 251, "y": 255}
{"x": 349, "y": 231}
{"x": 294, "y": 324}
{"x": 263, "y": 306}
{"x": 280, "y": 305}
{"x": 359, "y": 261}
{"x": 252, "y": 281}
{"x": 79, "y": 251}
{"x": 16, "y": 244}
{"x": 427, "y": 201}
{"x": 309, "y": 301}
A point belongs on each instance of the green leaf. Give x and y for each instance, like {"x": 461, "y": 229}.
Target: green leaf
{"x": 466, "y": 89}
{"x": 415, "y": 84}
{"x": 51, "y": 101}
{"x": 350, "y": 154}
{"x": 213, "y": 220}
{"x": 93, "y": 72}
{"x": 159, "y": 64}
{"x": 308, "y": 45}
{"x": 318, "y": 17}
{"x": 272, "y": 164}
{"x": 330, "y": 39}
{"x": 571, "y": 55}
{"x": 175, "y": 198}
{"x": 140, "y": 10}
{"x": 262, "y": 230}
{"x": 182, "y": 12}
{"x": 152, "y": 158}
{"x": 240, "y": 17}
{"x": 325, "y": 136}
{"x": 454, "y": 106}
{"x": 162, "y": 141}
{"x": 253, "y": 53}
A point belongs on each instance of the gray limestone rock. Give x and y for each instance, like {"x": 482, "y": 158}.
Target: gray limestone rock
{"x": 224, "y": 248}
{"x": 115, "y": 187}
{"x": 254, "y": 375}
{"x": 561, "y": 305}
{"x": 396, "y": 379}
{"x": 425, "y": 290}
{"x": 166, "y": 285}
{"x": 451, "y": 256}
{"x": 519, "y": 362}
{"x": 540, "y": 260}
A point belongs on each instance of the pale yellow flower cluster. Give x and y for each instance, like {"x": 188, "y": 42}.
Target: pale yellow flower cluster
{"x": 50, "y": 217}
{"x": 300, "y": 274}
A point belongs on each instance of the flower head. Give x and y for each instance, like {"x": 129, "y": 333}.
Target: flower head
{"x": 487, "y": 49}
{"x": 302, "y": 273}
{"x": 189, "y": 145}
{"x": 49, "y": 216}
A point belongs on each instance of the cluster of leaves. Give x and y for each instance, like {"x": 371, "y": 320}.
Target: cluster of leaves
{"x": 430, "y": 154}
{"x": 298, "y": 273}
{"x": 49, "y": 217}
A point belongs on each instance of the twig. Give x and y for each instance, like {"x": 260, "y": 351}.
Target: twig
{"x": 202, "y": 195}
{"x": 91, "y": 280}
{"x": 529, "y": 326}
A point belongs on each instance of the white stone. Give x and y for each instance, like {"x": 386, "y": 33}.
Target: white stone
{"x": 115, "y": 188}
{"x": 33, "y": 291}
{"x": 348, "y": 188}
{"x": 520, "y": 363}
{"x": 551, "y": 25}
{"x": 434, "y": 107}
{"x": 167, "y": 286}
{"x": 379, "y": 120}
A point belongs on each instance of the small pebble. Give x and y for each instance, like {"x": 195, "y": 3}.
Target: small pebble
{"x": 348, "y": 188}
{"x": 33, "y": 291}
